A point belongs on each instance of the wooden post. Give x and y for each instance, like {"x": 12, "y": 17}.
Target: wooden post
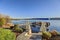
{"x": 28, "y": 28}
{"x": 43, "y": 28}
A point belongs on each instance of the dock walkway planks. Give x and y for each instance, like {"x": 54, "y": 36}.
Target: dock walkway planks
{"x": 35, "y": 36}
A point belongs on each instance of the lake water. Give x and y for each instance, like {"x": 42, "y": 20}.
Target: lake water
{"x": 54, "y": 24}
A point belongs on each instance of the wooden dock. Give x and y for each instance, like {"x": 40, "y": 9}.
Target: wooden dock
{"x": 34, "y": 36}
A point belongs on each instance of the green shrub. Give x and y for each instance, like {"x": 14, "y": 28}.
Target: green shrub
{"x": 24, "y": 29}
{"x": 6, "y": 34}
{"x": 47, "y": 34}
{"x": 17, "y": 29}
{"x": 2, "y": 21}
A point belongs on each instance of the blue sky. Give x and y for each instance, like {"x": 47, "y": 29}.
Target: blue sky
{"x": 30, "y": 8}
